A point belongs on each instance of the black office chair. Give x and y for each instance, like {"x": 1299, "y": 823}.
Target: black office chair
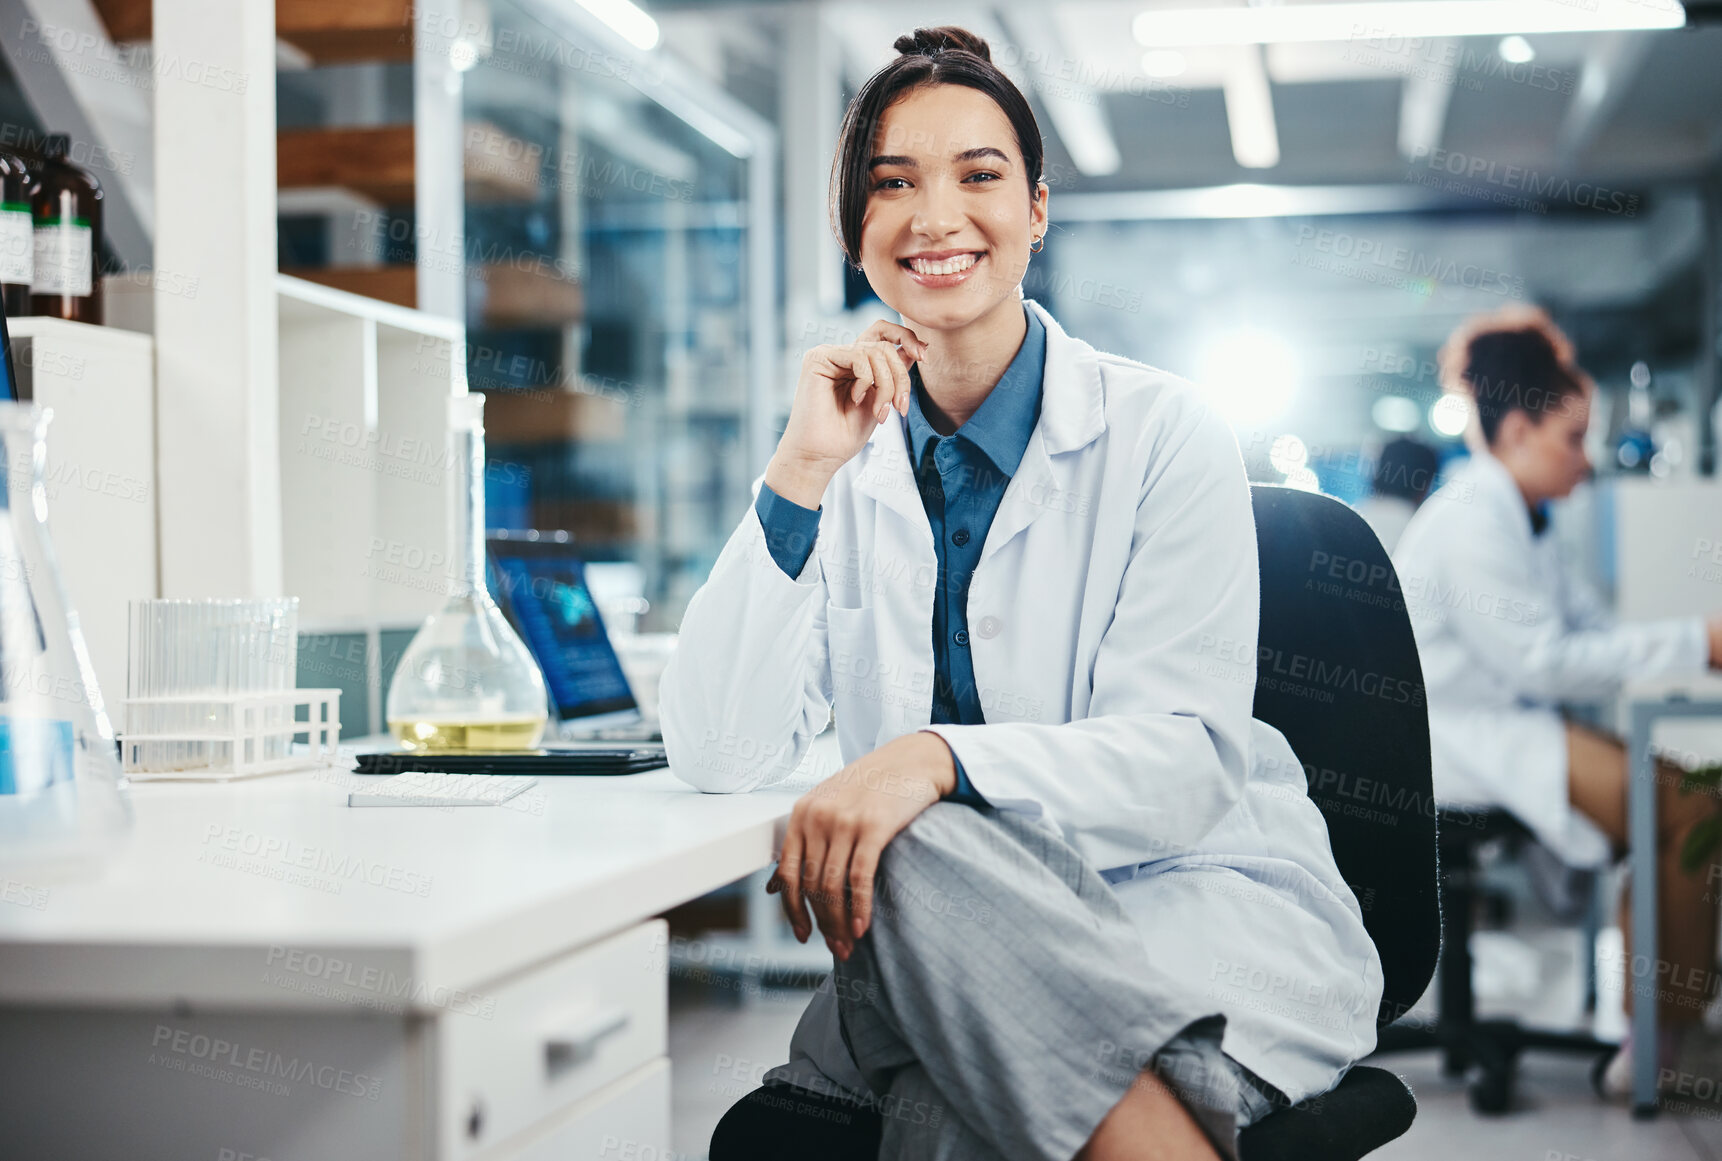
{"x": 1492, "y": 1047}
{"x": 1339, "y": 677}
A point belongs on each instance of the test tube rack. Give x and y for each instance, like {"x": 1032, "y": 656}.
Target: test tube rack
{"x": 233, "y": 737}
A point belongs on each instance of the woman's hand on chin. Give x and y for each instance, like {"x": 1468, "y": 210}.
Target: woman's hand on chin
{"x": 839, "y": 828}
{"x": 844, "y": 393}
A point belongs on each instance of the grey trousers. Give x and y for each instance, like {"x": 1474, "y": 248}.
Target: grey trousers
{"x": 1002, "y": 1001}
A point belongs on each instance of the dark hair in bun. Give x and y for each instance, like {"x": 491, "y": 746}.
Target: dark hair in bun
{"x": 1513, "y": 359}
{"x": 928, "y": 56}
{"x": 932, "y": 41}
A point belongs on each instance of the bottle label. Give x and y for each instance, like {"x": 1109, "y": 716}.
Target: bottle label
{"x": 17, "y": 244}
{"x": 65, "y": 253}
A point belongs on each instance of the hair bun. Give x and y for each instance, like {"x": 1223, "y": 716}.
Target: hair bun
{"x": 1531, "y": 326}
{"x": 932, "y": 41}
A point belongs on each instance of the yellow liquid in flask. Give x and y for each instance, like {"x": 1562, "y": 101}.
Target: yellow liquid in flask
{"x": 518, "y": 733}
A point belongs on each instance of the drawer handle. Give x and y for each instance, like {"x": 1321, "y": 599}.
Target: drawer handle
{"x": 577, "y": 1042}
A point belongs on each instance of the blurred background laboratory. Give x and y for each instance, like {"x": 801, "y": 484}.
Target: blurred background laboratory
{"x": 250, "y": 251}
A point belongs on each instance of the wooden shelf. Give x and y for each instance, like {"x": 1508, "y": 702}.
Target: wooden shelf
{"x": 396, "y": 284}
{"x": 593, "y": 520}
{"x": 499, "y": 166}
{"x": 327, "y": 31}
{"x": 126, "y": 19}
{"x": 375, "y": 161}
{"x": 514, "y": 297}
{"x": 341, "y": 31}
{"x": 550, "y": 415}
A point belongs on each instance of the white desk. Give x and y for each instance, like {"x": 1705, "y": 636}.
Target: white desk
{"x": 266, "y": 972}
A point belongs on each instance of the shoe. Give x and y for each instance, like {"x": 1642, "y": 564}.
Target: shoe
{"x": 1611, "y": 1075}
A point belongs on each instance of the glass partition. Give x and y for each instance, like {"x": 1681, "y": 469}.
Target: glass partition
{"x": 610, "y": 250}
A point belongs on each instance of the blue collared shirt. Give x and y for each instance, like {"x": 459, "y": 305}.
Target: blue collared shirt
{"x": 962, "y": 478}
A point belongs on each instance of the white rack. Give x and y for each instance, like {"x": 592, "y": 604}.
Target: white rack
{"x": 236, "y": 745}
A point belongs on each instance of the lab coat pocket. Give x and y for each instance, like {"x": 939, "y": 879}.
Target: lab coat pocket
{"x": 859, "y": 682}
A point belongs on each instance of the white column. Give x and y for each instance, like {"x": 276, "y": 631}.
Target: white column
{"x": 810, "y": 107}
{"x": 439, "y": 176}
{"x": 216, "y": 361}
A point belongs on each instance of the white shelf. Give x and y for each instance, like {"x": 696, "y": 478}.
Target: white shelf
{"x": 365, "y": 482}
{"x": 101, "y": 472}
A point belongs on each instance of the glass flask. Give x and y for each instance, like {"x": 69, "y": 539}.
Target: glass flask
{"x": 467, "y": 681}
{"x": 63, "y": 799}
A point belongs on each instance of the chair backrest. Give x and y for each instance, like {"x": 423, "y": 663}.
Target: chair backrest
{"x": 1338, "y": 675}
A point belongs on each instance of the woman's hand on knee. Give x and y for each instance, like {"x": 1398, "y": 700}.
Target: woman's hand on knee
{"x": 838, "y": 830}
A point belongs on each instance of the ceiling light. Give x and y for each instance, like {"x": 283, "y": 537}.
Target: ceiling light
{"x": 1250, "y": 376}
{"x": 1376, "y": 19}
{"x": 1516, "y": 50}
{"x": 1163, "y": 63}
{"x": 1450, "y": 414}
{"x": 629, "y": 20}
{"x": 1250, "y": 112}
{"x": 1396, "y": 413}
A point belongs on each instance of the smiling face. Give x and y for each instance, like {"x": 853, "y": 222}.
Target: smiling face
{"x": 950, "y": 213}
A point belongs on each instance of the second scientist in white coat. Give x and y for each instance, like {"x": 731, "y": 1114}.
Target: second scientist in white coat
{"x": 1109, "y": 623}
{"x": 1508, "y": 632}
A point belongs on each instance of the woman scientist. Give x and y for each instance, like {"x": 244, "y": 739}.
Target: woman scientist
{"x": 1062, "y": 860}
{"x": 1507, "y": 633}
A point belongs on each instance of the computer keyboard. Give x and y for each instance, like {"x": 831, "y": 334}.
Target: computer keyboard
{"x": 436, "y": 788}
{"x": 637, "y": 732}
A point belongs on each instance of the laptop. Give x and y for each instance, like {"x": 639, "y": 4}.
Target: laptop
{"x": 540, "y": 582}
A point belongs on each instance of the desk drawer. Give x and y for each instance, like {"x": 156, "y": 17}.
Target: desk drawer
{"x": 628, "y": 1121}
{"x": 555, "y": 1035}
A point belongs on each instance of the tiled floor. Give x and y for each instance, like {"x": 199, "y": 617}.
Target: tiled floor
{"x": 1560, "y": 1120}
{"x": 722, "y": 1041}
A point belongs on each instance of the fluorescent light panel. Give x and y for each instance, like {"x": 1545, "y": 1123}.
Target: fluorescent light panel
{"x": 1250, "y": 112}
{"x": 628, "y": 20}
{"x": 1372, "y": 19}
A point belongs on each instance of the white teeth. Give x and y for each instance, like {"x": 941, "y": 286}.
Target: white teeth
{"x": 945, "y": 266}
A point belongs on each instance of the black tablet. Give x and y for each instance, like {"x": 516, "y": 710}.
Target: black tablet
{"x": 543, "y": 762}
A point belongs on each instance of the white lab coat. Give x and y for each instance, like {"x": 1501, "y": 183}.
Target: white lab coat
{"x": 1506, "y": 632}
{"x": 1112, "y": 622}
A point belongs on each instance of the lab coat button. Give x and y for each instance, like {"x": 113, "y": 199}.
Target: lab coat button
{"x": 961, "y": 637}
{"x": 960, "y": 537}
{"x": 989, "y": 627}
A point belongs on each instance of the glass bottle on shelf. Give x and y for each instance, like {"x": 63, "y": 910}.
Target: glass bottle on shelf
{"x": 467, "y": 681}
{"x": 63, "y": 802}
{"x": 66, "y": 202}
{"x": 17, "y": 235}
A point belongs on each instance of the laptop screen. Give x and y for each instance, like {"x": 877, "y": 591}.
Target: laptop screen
{"x": 542, "y": 588}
